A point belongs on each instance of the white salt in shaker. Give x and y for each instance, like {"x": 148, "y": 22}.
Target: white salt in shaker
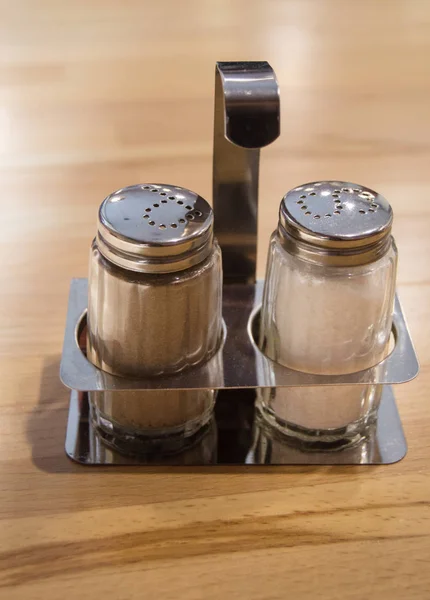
{"x": 327, "y": 307}
{"x": 154, "y": 308}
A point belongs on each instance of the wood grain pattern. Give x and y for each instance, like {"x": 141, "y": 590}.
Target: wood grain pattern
{"x": 98, "y": 94}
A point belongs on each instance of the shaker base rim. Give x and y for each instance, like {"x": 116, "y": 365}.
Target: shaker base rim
{"x": 317, "y": 440}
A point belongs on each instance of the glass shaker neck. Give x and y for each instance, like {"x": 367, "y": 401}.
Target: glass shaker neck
{"x": 338, "y": 255}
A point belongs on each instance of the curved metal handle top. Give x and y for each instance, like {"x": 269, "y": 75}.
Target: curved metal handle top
{"x": 250, "y": 95}
{"x": 247, "y": 110}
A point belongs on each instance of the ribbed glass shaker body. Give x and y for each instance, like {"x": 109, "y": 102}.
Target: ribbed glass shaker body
{"x": 149, "y": 325}
{"x": 155, "y": 283}
{"x": 323, "y": 319}
{"x": 327, "y": 308}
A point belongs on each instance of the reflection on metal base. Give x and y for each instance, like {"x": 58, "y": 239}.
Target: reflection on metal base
{"x": 234, "y": 437}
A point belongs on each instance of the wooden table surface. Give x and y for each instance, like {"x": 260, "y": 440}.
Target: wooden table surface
{"x": 99, "y": 94}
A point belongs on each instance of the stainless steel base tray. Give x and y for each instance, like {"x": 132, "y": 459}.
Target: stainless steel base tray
{"x": 234, "y": 437}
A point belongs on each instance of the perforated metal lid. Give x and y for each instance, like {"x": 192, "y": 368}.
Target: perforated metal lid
{"x": 336, "y": 222}
{"x": 155, "y": 228}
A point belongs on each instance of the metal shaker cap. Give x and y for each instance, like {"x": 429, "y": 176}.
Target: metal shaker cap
{"x": 334, "y": 222}
{"x": 155, "y": 228}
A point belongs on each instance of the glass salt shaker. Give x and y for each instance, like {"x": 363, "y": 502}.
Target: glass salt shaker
{"x": 154, "y": 309}
{"x": 327, "y": 308}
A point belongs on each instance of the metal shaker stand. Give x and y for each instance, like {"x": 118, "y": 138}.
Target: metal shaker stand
{"x": 246, "y": 119}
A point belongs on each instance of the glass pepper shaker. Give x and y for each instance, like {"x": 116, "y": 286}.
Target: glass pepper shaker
{"x": 327, "y": 308}
{"x": 154, "y": 308}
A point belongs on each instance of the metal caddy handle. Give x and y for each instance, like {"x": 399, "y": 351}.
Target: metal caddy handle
{"x": 247, "y": 118}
